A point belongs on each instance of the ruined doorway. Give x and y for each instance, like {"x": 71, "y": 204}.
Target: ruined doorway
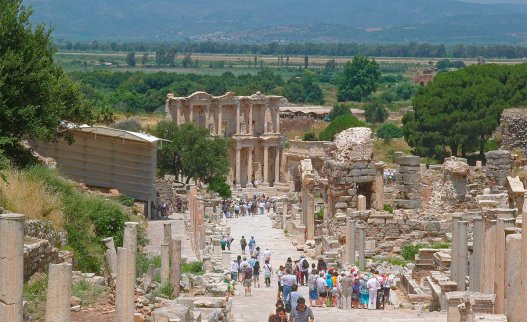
{"x": 366, "y": 190}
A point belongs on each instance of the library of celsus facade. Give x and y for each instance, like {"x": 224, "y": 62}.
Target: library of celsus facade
{"x": 253, "y": 124}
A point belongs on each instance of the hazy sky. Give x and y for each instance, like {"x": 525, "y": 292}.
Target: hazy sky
{"x": 498, "y": 1}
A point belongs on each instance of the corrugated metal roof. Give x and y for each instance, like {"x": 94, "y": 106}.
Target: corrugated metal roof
{"x": 108, "y": 131}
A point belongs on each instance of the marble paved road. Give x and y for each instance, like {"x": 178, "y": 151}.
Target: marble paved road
{"x": 258, "y": 306}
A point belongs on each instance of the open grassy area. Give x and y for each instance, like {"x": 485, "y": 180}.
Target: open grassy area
{"x": 385, "y": 151}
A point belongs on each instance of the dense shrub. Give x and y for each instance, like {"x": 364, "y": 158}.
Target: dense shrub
{"x": 309, "y": 136}
{"x": 128, "y": 125}
{"x": 338, "y": 110}
{"x": 389, "y": 131}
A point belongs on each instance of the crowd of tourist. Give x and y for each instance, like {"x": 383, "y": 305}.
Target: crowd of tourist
{"x": 327, "y": 286}
{"x": 257, "y": 205}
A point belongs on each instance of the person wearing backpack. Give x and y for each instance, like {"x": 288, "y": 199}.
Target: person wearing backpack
{"x": 247, "y": 279}
{"x": 268, "y": 270}
{"x": 303, "y": 267}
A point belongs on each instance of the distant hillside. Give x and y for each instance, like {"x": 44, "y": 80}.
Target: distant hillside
{"x": 265, "y": 20}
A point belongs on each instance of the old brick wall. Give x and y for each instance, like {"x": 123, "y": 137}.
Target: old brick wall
{"x": 513, "y": 129}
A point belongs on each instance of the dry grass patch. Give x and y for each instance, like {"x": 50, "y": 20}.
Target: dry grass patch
{"x": 384, "y": 151}
{"x": 30, "y": 197}
{"x": 298, "y": 127}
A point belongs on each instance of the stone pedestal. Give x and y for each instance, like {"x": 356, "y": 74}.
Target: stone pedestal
{"x": 226, "y": 259}
{"x": 58, "y": 293}
{"x": 175, "y": 269}
{"x": 165, "y": 263}
{"x": 361, "y": 203}
{"x": 130, "y": 243}
{"x": 513, "y": 303}
{"x": 462, "y": 262}
{"x": 489, "y": 257}
{"x": 362, "y": 247}
{"x": 310, "y": 220}
{"x": 11, "y": 267}
{"x": 350, "y": 242}
{"x": 124, "y": 291}
{"x": 167, "y": 235}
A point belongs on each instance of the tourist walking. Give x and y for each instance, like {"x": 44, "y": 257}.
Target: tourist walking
{"x": 280, "y": 274}
{"x": 355, "y": 294}
{"x": 256, "y": 274}
{"x": 268, "y": 271}
{"x": 302, "y": 313}
{"x": 288, "y": 281}
{"x": 292, "y": 298}
{"x": 289, "y": 264}
{"x": 312, "y": 286}
{"x": 346, "y": 291}
{"x": 243, "y": 244}
{"x": 223, "y": 242}
{"x": 234, "y": 270}
{"x": 322, "y": 267}
{"x": 247, "y": 279}
{"x": 364, "y": 293}
{"x": 303, "y": 267}
{"x": 373, "y": 286}
{"x": 322, "y": 290}
{"x": 267, "y": 254}
{"x": 252, "y": 244}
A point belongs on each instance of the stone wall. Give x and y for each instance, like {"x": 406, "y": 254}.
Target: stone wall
{"x": 408, "y": 179}
{"x": 44, "y": 230}
{"x": 38, "y": 254}
{"x": 499, "y": 166}
{"x": 513, "y": 129}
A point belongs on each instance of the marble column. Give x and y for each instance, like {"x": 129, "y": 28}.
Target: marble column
{"x": 362, "y": 248}
{"x": 167, "y": 235}
{"x": 499, "y": 276}
{"x": 220, "y": 120}
{"x": 111, "y": 256}
{"x": 238, "y": 166}
{"x": 379, "y": 185}
{"x": 165, "y": 262}
{"x": 250, "y": 164}
{"x": 310, "y": 220}
{"x": 462, "y": 261}
{"x": 207, "y": 110}
{"x": 455, "y": 248}
{"x": 191, "y": 113}
{"x": 124, "y": 291}
{"x": 277, "y": 121}
{"x": 130, "y": 243}
{"x": 11, "y": 267}
{"x": 523, "y": 266}
{"x": 266, "y": 165}
{"x": 175, "y": 270}
{"x": 350, "y": 241}
{"x": 489, "y": 257}
{"x": 238, "y": 118}
{"x": 477, "y": 254}
{"x": 250, "y": 118}
{"x": 277, "y": 166}
{"x": 58, "y": 293}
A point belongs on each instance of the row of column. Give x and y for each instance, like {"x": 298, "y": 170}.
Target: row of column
{"x": 266, "y": 165}
{"x": 219, "y": 119}
{"x": 121, "y": 265}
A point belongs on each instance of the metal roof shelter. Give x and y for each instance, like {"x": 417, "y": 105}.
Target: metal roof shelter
{"x": 109, "y": 158}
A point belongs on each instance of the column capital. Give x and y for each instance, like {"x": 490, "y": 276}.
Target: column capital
{"x": 380, "y": 165}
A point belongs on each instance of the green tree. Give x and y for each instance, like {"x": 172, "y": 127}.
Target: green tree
{"x": 130, "y": 59}
{"x": 338, "y": 110}
{"x": 303, "y": 89}
{"x": 461, "y": 109}
{"x": 339, "y": 124}
{"x": 389, "y": 131}
{"x": 375, "y": 112}
{"x": 144, "y": 59}
{"x": 191, "y": 152}
{"x": 358, "y": 79}
{"x": 309, "y": 136}
{"x": 219, "y": 184}
{"x": 35, "y": 94}
{"x": 404, "y": 91}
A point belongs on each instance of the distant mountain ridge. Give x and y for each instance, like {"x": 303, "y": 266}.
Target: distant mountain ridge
{"x": 275, "y": 20}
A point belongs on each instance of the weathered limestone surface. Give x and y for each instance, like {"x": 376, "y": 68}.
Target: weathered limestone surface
{"x": 462, "y": 262}
{"x": 499, "y": 166}
{"x": 513, "y": 301}
{"x": 351, "y": 241}
{"x": 499, "y": 279}
{"x": 477, "y": 254}
{"x": 408, "y": 182}
{"x": 11, "y": 266}
{"x": 165, "y": 263}
{"x": 124, "y": 292}
{"x": 111, "y": 256}
{"x": 58, "y": 293}
{"x": 513, "y": 128}
{"x": 353, "y": 144}
{"x": 175, "y": 270}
